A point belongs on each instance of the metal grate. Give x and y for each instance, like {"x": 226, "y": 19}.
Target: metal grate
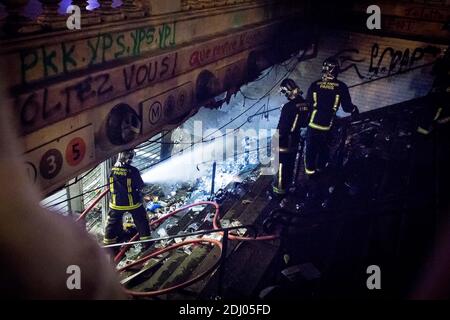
{"x": 92, "y": 181}
{"x": 58, "y": 196}
{"x": 147, "y": 154}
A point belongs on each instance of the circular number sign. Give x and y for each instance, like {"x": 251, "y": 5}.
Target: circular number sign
{"x": 51, "y": 164}
{"x": 31, "y": 172}
{"x": 75, "y": 151}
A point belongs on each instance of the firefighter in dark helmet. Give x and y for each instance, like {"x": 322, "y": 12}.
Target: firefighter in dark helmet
{"x": 325, "y": 96}
{"x": 294, "y": 116}
{"x": 125, "y": 185}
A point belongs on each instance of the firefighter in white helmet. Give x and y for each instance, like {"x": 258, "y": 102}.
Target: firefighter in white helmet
{"x": 125, "y": 186}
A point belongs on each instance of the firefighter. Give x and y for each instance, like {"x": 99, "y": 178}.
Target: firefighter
{"x": 125, "y": 185}
{"x": 325, "y": 96}
{"x": 439, "y": 95}
{"x": 294, "y": 116}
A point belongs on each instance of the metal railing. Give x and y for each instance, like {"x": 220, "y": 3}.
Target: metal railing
{"x": 225, "y": 239}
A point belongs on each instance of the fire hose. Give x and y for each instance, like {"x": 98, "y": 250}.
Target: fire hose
{"x": 216, "y": 225}
{"x": 163, "y": 218}
{"x": 178, "y": 286}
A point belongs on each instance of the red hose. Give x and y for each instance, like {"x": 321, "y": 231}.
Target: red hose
{"x": 93, "y": 203}
{"x": 160, "y": 220}
{"x": 178, "y": 286}
{"x": 216, "y": 225}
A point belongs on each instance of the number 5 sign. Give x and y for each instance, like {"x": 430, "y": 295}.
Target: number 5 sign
{"x": 59, "y": 159}
{"x": 75, "y": 151}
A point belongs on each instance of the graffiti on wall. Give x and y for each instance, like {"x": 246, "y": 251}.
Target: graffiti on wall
{"x": 432, "y": 2}
{"x": 216, "y": 50}
{"x": 426, "y": 13}
{"x": 53, "y": 103}
{"x": 50, "y": 101}
{"x": 65, "y": 57}
{"x": 384, "y": 61}
{"x": 415, "y": 27}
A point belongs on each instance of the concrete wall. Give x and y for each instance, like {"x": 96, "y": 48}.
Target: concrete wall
{"x": 63, "y": 85}
{"x": 380, "y": 71}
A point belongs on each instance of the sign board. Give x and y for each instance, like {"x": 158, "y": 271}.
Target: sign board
{"x": 166, "y": 108}
{"x": 56, "y": 160}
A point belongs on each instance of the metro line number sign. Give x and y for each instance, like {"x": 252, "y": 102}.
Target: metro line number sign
{"x": 61, "y": 157}
{"x": 155, "y": 112}
{"x": 50, "y": 164}
{"x": 167, "y": 106}
{"x": 75, "y": 151}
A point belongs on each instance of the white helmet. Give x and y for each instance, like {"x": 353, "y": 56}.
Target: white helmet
{"x": 126, "y": 157}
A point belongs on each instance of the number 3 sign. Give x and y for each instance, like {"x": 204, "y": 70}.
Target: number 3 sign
{"x": 51, "y": 164}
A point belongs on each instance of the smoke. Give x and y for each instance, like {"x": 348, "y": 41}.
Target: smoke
{"x": 189, "y": 165}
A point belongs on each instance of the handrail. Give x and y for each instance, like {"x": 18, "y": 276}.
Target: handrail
{"x": 183, "y": 284}
{"x": 161, "y": 219}
{"x": 184, "y": 235}
{"x": 223, "y": 246}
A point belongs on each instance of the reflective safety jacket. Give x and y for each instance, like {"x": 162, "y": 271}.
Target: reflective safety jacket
{"x": 125, "y": 184}
{"x": 294, "y": 115}
{"x": 325, "y": 97}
